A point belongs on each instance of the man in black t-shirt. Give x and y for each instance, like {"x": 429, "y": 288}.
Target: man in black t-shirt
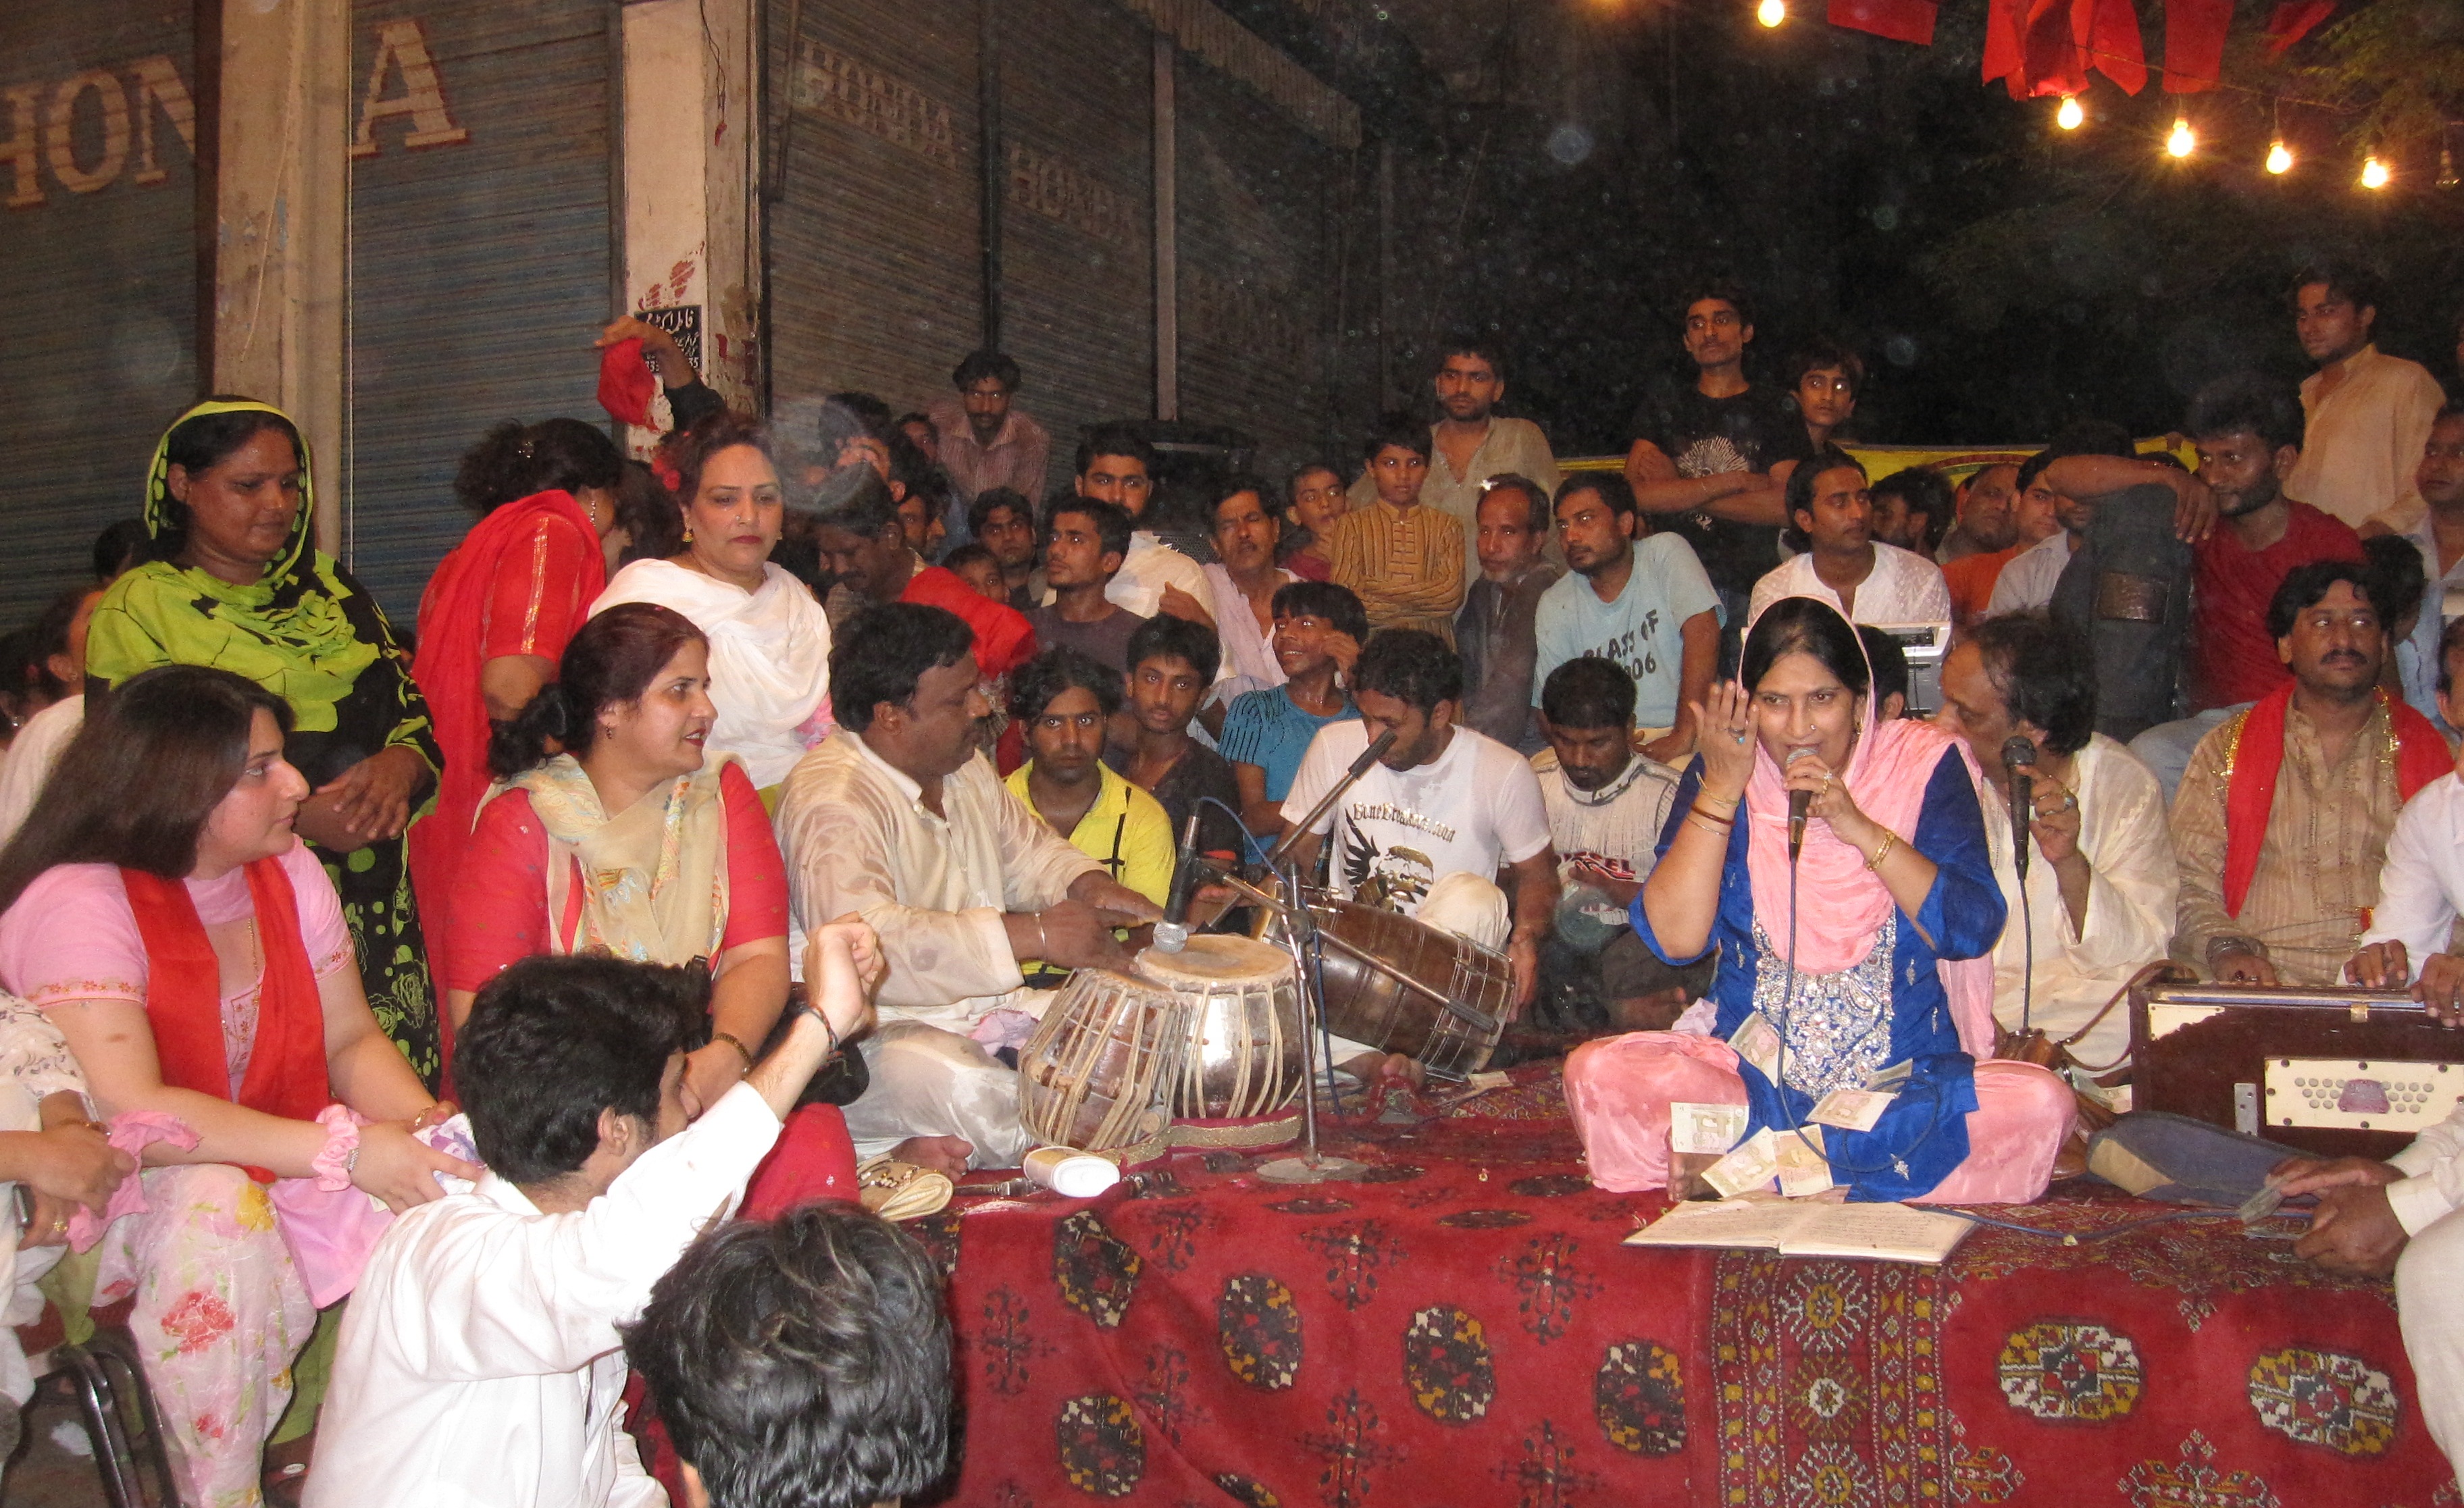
{"x": 1702, "y": 455}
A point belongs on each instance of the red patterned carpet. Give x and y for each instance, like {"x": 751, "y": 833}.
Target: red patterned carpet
{"x": 1464, "y": 1328}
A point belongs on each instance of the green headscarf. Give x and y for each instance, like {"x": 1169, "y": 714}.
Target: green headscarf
{"x": 286, "y": 631}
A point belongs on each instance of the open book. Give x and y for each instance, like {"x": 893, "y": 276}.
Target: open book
{"x": 1891, "y": 1233}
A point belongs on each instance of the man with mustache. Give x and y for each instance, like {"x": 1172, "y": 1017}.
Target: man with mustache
{"x": 1472, "y": 442}
{"x": 2280, "y": 828}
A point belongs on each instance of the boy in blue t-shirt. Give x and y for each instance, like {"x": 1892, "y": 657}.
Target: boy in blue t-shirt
{"x": 1318, "y": 630}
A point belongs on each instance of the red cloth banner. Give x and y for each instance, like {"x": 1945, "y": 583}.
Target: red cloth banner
{"x": 2294, "y": 20}
{"x": 2194, "y": 44}
{"x": 2046, "y": 46}
{"x": 1899, "y": 20}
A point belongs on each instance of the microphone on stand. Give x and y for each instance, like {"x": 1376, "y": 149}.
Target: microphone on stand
{"x": 2017, "y": 752}
{"x": 1797, "y": 802}
{"x": 1172, "y": 934}
{"x": 1370, "y": 756}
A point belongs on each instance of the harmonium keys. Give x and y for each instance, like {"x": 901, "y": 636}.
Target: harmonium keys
{"x": 2339, "y": 1071}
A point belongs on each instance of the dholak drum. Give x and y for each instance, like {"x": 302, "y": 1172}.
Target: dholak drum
{"x": 1405, "y": 987}
{"x": 1099, "y": 1071}
{"x": 1243, "y": 1045}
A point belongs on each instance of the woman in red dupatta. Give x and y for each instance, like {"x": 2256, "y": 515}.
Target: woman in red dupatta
{"x": 496, "y": 617}
{"x": 160, "y": 912}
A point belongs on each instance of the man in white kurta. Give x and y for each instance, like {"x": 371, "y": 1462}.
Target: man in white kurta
{"x": 1843, "y": 564}
{"x": 2102, "y": 889}
{"x": 897, "y": 820}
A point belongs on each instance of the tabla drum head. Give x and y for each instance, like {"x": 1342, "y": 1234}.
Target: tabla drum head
{"x": 1214, "y": 958}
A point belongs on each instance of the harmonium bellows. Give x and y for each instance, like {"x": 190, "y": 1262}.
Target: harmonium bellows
{"x": 2343, "y": 1072}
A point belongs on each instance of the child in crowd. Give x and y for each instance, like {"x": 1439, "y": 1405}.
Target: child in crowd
{"x": 1318, "y": 630}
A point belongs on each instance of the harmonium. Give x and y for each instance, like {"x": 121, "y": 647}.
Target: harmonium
{"x": 2341, "y": 1072}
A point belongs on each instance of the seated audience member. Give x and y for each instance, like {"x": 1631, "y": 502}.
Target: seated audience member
{"x": 1496, "y": 632}
{"x": 1084, "y": 541}
{"x": 1313, "y": 499}
{"x": 1912, "y": 509}
{"x": 975, "y": 565}
{"x": 1171, "y": 663}
{"x": 1403, "y": 559}
{"x": 2439, "y": 537}
{"x": 482, "y": 1358}
{"x": 2022, "y": 520}
{"x": 1822, "y": 383}
{"x": 1116, "y": 467}
{"x": 497, "y": 616}
{"x": 2249, "y": 435}
{"x": 1441, "y": 819}
{"x": 1889, "y": 661}
{"x": 918, "y": 524}
{"x": 119, "y": 545}
{"x": 802, "y": 1361}
{"x": 1064, "y": 700}
{"x": 627, "y": 839}
{"x": 2408, "y": 939}
{"x": 1833, "y": 514}
{"x": 1319, "y": 627}
{"x": 2393, "y": 568}
{"x": 2102, "y": 460}
{"x": 986, "y": 442}
{"x": 896, "y": 819}
{"x": 863, "y": 546}
{"x": 59, "y": 644}
{"x": 2281, "y": 824}
{"x": 2102, "y": 887}
{"x": 1240, "y": 587}
{"x": 1639, "y": 599}
{"x": 770, "y": 641}
{"x": 1004, "y": 522}
{"x": 1884, "y": 966}
{"x": 1985, "y": 517}
{"x": 917, "y": 427}
{"x": 1607, "y": 806}
{"x": 193, "y": 952}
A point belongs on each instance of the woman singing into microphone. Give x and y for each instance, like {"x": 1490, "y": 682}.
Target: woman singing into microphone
{"x": 1893, "y": 911}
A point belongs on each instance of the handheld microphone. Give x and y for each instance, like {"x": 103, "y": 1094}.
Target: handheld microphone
{"x": 1172, "y": 934}
{"x": 1797, "y": 802}
{"x": 2017, "y": 752}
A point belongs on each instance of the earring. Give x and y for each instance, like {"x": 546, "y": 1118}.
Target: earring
{"x": 688, "y": 533}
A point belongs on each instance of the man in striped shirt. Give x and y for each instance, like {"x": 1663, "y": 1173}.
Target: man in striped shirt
{"x": 1403, "y": 559}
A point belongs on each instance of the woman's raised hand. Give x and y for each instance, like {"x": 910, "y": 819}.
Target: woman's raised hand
{"x": 1726, "y": 741}
{"x": 1830, "y": 802}
{"x": 395, "y": 1167}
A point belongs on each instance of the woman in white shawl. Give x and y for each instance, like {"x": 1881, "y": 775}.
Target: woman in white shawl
{"x": 769, "y": 640}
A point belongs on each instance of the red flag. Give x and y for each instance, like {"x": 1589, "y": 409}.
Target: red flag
{"x": 2006, "y": 30}
{"x": 2294, "y": 20}
{"x": 1899, "y": 20}
{"x": 2194, "y": 44}
{"x": 2113, "y": 44}
{"x": 2053, "y": 61}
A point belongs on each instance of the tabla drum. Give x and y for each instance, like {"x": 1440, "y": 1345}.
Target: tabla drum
{"x": 1242, "y": 1057}
{"x": 1402, "y": 986}
{"x": 1099, "y": 1071}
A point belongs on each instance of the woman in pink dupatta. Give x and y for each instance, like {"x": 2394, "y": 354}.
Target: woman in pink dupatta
{"x": 1890, "y": 917}
{"x": 497, "y": 614}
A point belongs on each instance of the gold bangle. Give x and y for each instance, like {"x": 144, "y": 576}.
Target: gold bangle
{"x": 732, "y": 1040}
{"x": 1696, "y": 810}
{"x": 1720, "y": 833}
{"x": 1890, "y": 841}
{"x": 1728, "y": 805}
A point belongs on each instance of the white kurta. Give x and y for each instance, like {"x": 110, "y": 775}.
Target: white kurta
{"x": 479, "y": 1361}
{"x": 1904, "y": 587}
{"x": 769, "y": 658}
{"x": 2130, "y": 904}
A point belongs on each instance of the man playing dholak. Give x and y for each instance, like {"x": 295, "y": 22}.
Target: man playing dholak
{"x": 1436, "y": 822}
{"x": 897, "y": 820}
{"x": 2282, "y": 819}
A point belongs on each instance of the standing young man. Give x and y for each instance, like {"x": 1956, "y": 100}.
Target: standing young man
{"x": 1644, "y": 603}
{"x": 1702, "y": 458}
{"x": 1471, "y": 443}
{"x": 1172, "y": 664}
{"x": 1843, "y": 565}
{"x": 2367, "y": 412}
{"x": 1084, "y": 542}
{"x": 1496, "y": 631}
{"x": 985, "y": 439}
{"x": 1403, "y": 559}
{"x": 1319, "y": 627}
{"x": 1822, "y": 383}
{"x": 1117, "y": 467}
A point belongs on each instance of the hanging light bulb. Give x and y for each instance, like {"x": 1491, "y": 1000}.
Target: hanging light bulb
{"x": 2374, "y": 173}
{"x": 2070, "y": 115}
{"x": 2183, "y": 142}
{"x": 2280, "y": 157}
{"x": 2446, "y": 177}
{"x": 1771, "y": 12}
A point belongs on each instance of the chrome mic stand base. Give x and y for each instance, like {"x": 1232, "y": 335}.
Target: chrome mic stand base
{"x": 1327, "y": 1168}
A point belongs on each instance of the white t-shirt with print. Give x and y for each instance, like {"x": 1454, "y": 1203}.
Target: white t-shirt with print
{"x": 1474, "y": 809}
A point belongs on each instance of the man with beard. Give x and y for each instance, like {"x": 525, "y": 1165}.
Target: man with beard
{"x": 2368, "y": 412}
{"x": 1842, "y": 563}
{"x": 986, "y": 441}
{"x": 2280, "y": 829}
{"x": 1643, "y": 602}
{"x": 1607, "y": 806}
{"x": 2249, "y": 435}
{"x": 1471, "y": 442}
{"x": 1494, "y": 633}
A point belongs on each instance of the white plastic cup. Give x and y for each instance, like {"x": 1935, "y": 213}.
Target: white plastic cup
{"x": 1070, "y": 1173}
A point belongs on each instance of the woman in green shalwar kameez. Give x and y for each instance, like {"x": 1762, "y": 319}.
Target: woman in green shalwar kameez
{"x": 233, "y": 582}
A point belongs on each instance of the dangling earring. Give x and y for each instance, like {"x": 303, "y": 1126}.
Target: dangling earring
{"x": 688, "y": 533}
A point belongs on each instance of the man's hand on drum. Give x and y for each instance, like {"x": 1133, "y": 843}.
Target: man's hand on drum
{"x": 2386, "y": 966}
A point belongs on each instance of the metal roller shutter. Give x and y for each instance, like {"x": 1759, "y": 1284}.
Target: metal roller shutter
{"x": 480, "y": 254}
{"x": 98, "y": 236}
{"x": 1256, "y": 300}
{"x": 1078, "y": 240}
{"x": 875, "y": 280}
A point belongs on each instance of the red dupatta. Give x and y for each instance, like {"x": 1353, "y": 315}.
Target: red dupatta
{"x": 286, "y": 1068}
{"x": 2257, "y": 754}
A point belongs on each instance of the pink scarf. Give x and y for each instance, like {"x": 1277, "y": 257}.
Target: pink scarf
{"x": 1842, "y": 904}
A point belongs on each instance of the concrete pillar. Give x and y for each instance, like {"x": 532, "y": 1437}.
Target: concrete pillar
{"x": 691, "y": 235}
{"x": 283, "y": 206}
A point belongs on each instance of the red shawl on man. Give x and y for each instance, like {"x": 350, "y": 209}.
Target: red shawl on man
{"x": 2421, "y": 757}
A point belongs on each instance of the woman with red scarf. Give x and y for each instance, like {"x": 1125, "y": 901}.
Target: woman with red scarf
{"x": 498, "y": 614}
{"x": 161, "y": 913}
{"x": 1860, "y": 964}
